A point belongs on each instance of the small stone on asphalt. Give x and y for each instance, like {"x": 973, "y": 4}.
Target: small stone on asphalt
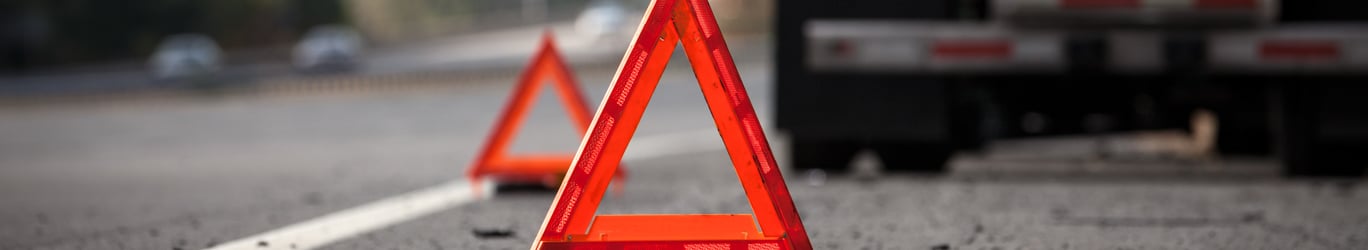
{"x": 492, "y": 233}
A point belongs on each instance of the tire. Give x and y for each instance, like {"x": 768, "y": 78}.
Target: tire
{"x": 832, "y": 156}
{"x": 1242, "y": 113}
{"x": 1313, "y": 118}
{"x": 1242, "y": 133}
{"x": 913, "y": 157}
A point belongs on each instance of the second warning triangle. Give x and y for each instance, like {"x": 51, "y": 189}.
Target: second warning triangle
{"x": 495, "y": 163}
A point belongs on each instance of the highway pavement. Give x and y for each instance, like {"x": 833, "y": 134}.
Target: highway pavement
{"x": 235, "y": 170}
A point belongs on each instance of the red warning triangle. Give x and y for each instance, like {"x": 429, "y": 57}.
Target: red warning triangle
{"x": 495, "y": 162}
{"x": 571, "y": 223}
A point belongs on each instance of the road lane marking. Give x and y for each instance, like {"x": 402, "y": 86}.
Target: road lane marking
{"x": 344, "y": 224}
{"x": 340, "y": 225}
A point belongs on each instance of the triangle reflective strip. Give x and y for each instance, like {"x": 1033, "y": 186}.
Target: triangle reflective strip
{"x": 568, "y": 223}
{"x": 495, "y": 161}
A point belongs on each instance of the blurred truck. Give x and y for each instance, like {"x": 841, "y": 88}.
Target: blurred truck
{"x": 914, "y": 81}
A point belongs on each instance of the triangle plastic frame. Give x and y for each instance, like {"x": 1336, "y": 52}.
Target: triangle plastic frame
{"x": 571, "y": 222}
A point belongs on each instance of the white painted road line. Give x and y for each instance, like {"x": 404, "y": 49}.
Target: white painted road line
{"x": 343, "y": 224}
{"x": 321, "y": 231}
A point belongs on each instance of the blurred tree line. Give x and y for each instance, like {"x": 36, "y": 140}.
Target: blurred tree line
{"x": 45, "y": 33}
{"x": 53, "y": 33}
{"x": 396, "y": 21}
{"x": 39, "y": 33}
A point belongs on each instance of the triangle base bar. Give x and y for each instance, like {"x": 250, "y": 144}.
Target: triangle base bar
{"x": 527, "y": 168}
{"x": 671, "y": 231}
{"x": 671, "y": 245}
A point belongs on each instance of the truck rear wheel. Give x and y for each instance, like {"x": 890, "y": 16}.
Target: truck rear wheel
{"x": 832, "y": 156}
{"x": 913, "y": 157}
{"x": 1324, "y": 129}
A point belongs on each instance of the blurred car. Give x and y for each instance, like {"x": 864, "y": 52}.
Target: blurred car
{"x": 329, "y": 48}
{"x": 185, "y": 56}
{"x": 606, "y": 19}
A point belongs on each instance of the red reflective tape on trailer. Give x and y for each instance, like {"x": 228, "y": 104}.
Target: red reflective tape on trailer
{"x": 842, "y": 48}
{"x": 1290, "y": 49}
{"x": 971, "y": 49}
{"x": 1225, "y": 4}
{"x": 1068, "y": 4}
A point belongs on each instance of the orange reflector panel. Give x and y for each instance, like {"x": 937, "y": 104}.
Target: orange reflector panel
{"x": 571, "y": 222}
{"x": 1084, "y": 4}
{"x": 1299, "y": 50}
{"x": 971, "y": 49}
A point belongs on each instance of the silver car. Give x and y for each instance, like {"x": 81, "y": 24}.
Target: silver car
{"x": 607, "y": 21}
{"x": 185, "y": 56}
{"x": 329, "y": 48}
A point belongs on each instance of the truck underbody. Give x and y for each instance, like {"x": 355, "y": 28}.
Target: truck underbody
{"x": 914, "y": 81}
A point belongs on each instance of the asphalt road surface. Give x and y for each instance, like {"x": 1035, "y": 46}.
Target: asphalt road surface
{"x": 199, "y": 171}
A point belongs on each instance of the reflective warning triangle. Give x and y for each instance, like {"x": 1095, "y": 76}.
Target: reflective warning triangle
{"x": 495, "y": 162}
{"x": 571, "y": 222}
